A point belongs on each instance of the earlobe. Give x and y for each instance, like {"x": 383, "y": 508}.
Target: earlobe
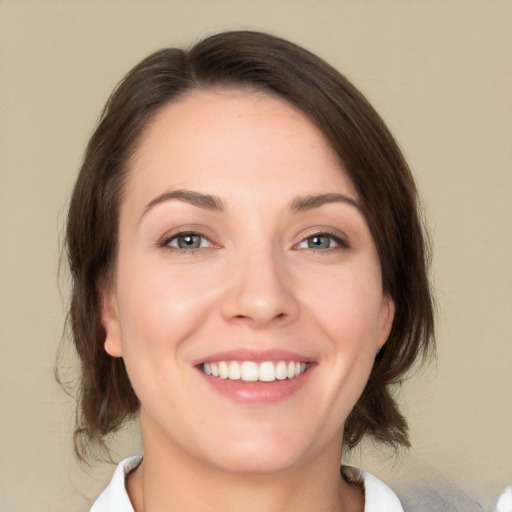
{"x": 110, "y": 321}
{"x": 386, "y": 320}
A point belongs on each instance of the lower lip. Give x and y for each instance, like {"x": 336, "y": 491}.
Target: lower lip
{"x": 256, "y": 393}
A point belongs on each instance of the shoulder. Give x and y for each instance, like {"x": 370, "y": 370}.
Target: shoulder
{"x": 505, "y": 501}
{"x": 377, "y": 495}
{"x": 115, "y": 498}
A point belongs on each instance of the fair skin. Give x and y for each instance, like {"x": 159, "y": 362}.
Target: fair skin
{"x": 241, "y": 242}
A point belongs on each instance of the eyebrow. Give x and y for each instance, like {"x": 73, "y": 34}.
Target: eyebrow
{"x": 214, "y": 203}
{"x": 205, "y": 201}
{"x": 302, "y": 204}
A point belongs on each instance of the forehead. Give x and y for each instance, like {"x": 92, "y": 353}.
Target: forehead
{"x": 226, "y": 139}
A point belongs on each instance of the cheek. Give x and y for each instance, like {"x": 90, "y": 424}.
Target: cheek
{"x": 348, "y": 306}
{"x": 160, "y": 306}
{"x": 160, "y": 315}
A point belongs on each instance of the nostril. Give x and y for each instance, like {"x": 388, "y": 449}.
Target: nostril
{"x": 279, "y": 316}
{"x": 249, "y": 304}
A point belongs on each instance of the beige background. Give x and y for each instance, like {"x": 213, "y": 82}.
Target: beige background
{"x": 440, "y": 73}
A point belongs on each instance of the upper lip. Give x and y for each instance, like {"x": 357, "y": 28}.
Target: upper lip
{"x": 256, "y": 355}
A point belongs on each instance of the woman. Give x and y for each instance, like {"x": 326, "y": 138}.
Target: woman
{"x": 249, "y": 275}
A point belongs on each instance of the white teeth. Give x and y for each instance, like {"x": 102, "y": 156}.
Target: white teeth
{"x": 291, "y": 370}
{"x": 234, "y": 370}
{"x": 223, "y": 370}
{"x": 250, "y": 371}
{"x": 281, "y": 370}
{"x": 267, "y": 372}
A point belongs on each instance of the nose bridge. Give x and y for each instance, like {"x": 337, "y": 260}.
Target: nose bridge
{"x": 261, "y": 287}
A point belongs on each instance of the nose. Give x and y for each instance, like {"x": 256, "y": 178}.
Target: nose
{"x": 260, "y": 292}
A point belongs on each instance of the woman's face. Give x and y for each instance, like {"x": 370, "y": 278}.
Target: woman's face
{"x": 243, "y": 253}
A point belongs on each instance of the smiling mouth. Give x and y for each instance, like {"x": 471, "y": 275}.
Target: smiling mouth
{"x": 251, "y": 371}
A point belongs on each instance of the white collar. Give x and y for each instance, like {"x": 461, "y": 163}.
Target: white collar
{"x": 378, "y": 496}
{"x": 115, "y": 498}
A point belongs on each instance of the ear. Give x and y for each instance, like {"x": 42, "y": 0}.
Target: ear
{"x": 110, "y": 321}
{"x": 387, "y": 314}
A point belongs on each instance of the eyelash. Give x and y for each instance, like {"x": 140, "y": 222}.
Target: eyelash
{"x": 341, "y": 243}
{"x": 181, "y": 234}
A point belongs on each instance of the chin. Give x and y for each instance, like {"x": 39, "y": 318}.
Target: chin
{"x": 259, "y": 454}
{"x": 259, "y": 462}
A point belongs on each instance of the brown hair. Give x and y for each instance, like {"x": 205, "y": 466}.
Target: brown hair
{"x": 364, "y": 145}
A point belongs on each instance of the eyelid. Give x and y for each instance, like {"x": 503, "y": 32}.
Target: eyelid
{"x": 201, "y": 231}
{"x": 170, "y": 242}
{"x": 338, "y": 236}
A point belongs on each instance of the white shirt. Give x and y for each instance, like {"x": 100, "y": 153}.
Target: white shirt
{"x": 378, "y": 496}
{"x": 505, "y": 502}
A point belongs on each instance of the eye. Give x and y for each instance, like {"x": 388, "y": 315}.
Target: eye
{"x": 322, "y": 241}
{"x": 187, "y": 241}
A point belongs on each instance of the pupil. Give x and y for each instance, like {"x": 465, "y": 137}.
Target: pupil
{"x": 317, "y": 242}
{"x": 189, "y": 241}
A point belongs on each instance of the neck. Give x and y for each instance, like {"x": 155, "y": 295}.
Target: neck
{"x": 171, "y": 480}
